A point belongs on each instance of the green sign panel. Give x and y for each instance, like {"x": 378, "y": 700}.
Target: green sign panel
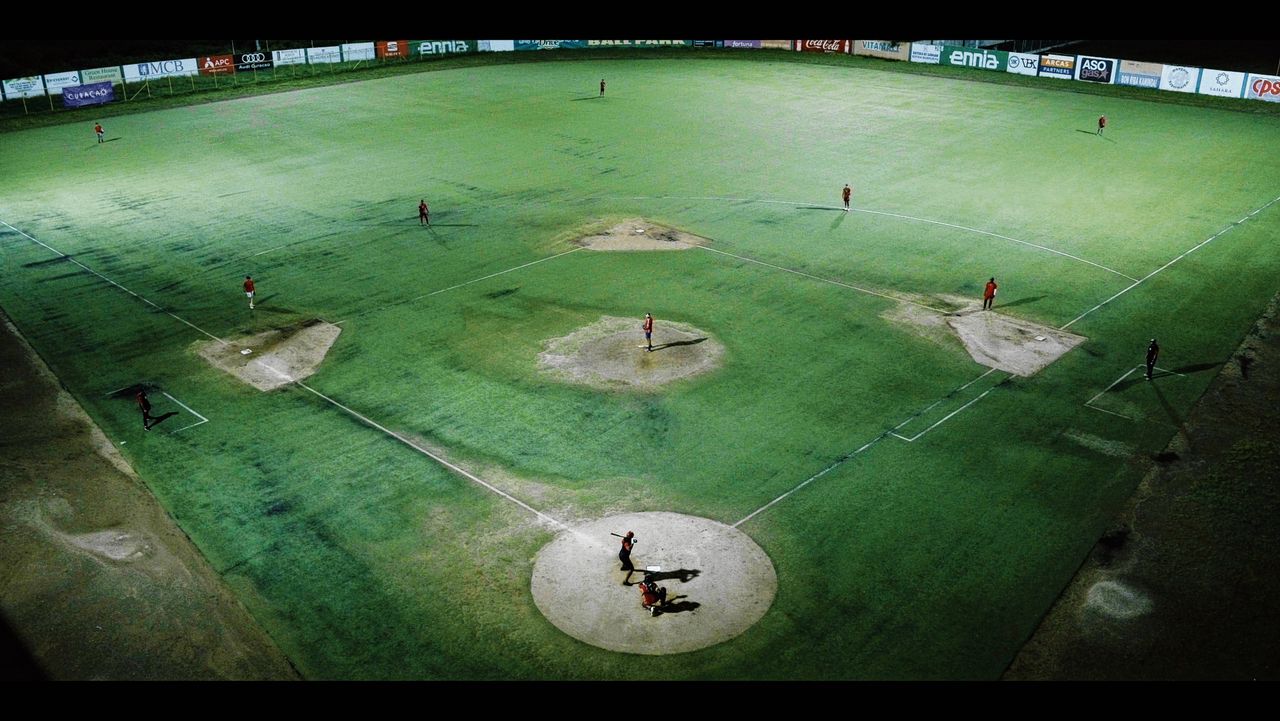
{"x": 975, "y": 58}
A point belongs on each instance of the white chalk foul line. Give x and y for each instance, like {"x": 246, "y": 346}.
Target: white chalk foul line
{"x": 455, "y": 287}
{"x": 112, "y": 282}
{"x": 1193, "y": 249}
{"x": 891, "y": 215}
{"x": 461, "y": 471}
{"x": 1113, "y": 385}
{"x": 842, "y": 459}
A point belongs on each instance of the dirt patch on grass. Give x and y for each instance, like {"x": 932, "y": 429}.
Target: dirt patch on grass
{"x": 638, "y": 234}
{"x": 276, "y": 357}
{"x": 718, "y": 581}
{"x": 993, "y": 339}
{"x": 1183, "y": 584}
{"x": 611, "y": 354}
{"x": 98, "y": 582}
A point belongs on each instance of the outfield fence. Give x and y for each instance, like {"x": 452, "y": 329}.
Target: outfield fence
{"x": 71, "y": 90}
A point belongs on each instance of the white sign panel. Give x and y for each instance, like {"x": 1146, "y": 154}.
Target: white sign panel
{"x": 1223, "y": 83}
{"x": 137, "y": 72}
{"x": 1179, "y": 78}
{"x": 1263, "y": 87}
{"x": 32, "y": 87}
{"x": 55, "y": 82}
{"x": 497, "y": 46}
{"x": 926, "y": 53}
{"x": 296, "y": 56}
{"x": 1023, "y": 63}
{"x": 331, "y": 54}
{"x": 358, "y": 51}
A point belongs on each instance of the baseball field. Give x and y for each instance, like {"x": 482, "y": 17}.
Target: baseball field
{"x": 845, "y": 468}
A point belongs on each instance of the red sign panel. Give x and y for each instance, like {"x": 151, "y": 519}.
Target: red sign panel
{"x": 393, "y": 48}
{"x": 823, "y": 46}
{"x": 217, "y": 64}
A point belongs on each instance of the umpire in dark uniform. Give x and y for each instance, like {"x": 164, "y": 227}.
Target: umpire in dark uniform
{"x": 1153, "y": 352}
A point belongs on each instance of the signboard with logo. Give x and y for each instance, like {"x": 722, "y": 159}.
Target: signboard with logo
{"x": 327, "y": 54}
{"x": 1179, "y": 78}
{"x": 136, "y": 73}
{"x": 1139, "y": 75}
{"x": 975, "y": 58}
{"x": 777, "y": 44}
{"x": 439, "y": 48}
{"x": 351, "y": 52}
{"x": 32, "y": 87}
{"x": 248, "y": 62}
{"x": 393, "y": 48}
{"x": 295, "y": 56}
{"x": 97, "y": 75}
{"x": 754, "y": 44}
{"x": 55, "y": 82}
{"x": 1223, "y": 83}
{"x": 637, "y": 43}
{"x": 78, "y": 96}
{"x": 823, "y": 46}
{"x": 549, "y": 44}
{"x": 882, "y": 49}
{"x": 497, "y": 46}
{"x": 926, "y": 53}
{"x": 217, "y": 64}
{"x": 1262, "y": 87}
{"x": 1095, "y": 70}
{"x": 1062, "y": 67}
{"x": 1024, "y": 63}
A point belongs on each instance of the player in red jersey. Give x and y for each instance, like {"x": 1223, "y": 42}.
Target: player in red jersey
{"x": 424, "y": 216}
{"x": 249, "y": 290}
{"x": 648, "y": 330}
{"x": 1102, "y": 123}
{"x": 846, "y": 194}
{"x": 989, "y": 294}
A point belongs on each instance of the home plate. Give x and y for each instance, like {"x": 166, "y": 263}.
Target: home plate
{"x": 246, "y": 351}
{"x": 655, "y": 569}
{"x": 1039, "y": 337}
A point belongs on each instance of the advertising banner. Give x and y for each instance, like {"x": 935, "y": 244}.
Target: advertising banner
{"x": 823, "y": 46}
{"x": 97, "y": 75}
{"x": 393, "y": 48}
{"x": 351, "y": 52}
{"x": 926, "y": 53}
{"x": 1263, "y": 87}
{"x": 161, "y": 69}
{"x": 32, "y": 87}
{"x": 497, "y": 46}
{"x": 777, "y": 44}
{"x": 975, "y": 58}
{"x": 438, "y": 48}
{"x": 1024, "y": 63}
{"x": 1095, "y": 70}
{"x": 1179, "y": 78}
{"x": 1223, "y": 83}
{"x": 549, "y": 44}
{"x": 754, "y": 44}
{"x": 328, "y": 54}
{"x": 882, "y": 49}
{"x": 55, "y": 82}
{"x": 1062, "y": 67}
{"x": 217, "y": 64}
{"x": 296, "y": 56}
{"x": 248, "y": 62}
{"x": 637, "y": 43}
{"x": 78, "y": 96}
{"x": 1139, "y": 75}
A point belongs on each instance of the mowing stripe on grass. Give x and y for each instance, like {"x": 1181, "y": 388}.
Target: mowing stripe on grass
{"x": 112, "y": 282}
{"x": 842, "y": 459}
{"x": 881, "y": 212}
{"x": 1166, "y": 265}
{"x": 454, "y": 287}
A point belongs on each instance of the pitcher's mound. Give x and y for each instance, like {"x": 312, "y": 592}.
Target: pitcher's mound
{"x": 640, "y": 234}
{"x": 610, "y": 353}
{"x": 718, "y": 581}
{"x": 276, "y": 357}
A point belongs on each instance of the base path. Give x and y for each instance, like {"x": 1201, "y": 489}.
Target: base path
{"x": 718, "y": 581}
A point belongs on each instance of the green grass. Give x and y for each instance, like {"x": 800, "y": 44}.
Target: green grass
{"x": 364, "y": 559}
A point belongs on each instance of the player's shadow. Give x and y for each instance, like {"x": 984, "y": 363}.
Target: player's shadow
{"x": 264, "y": 299}
{"x": 112, "y": 140}
{"x": 819, "y": 207}
{"x": 1169, "y": 409}
{"x": 1197, "y": 367}
{"x": 1023, "y": 301}
{"x": 672, "y": 606}
{"x": 274, "y": 309}
{"x": 454, "y": 225}
{"x": 685, "y": 575}
{"x": 588, "y": 97}
{"x": 161, "y": 419}
{"x": 694, "y": 341}
{"x": 839, "y": 219}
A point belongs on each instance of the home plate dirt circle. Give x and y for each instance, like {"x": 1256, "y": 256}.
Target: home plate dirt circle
{"x": 718, "y": 581}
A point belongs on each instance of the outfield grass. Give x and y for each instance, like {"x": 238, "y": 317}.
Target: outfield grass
{"x": 364, "y": 559}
